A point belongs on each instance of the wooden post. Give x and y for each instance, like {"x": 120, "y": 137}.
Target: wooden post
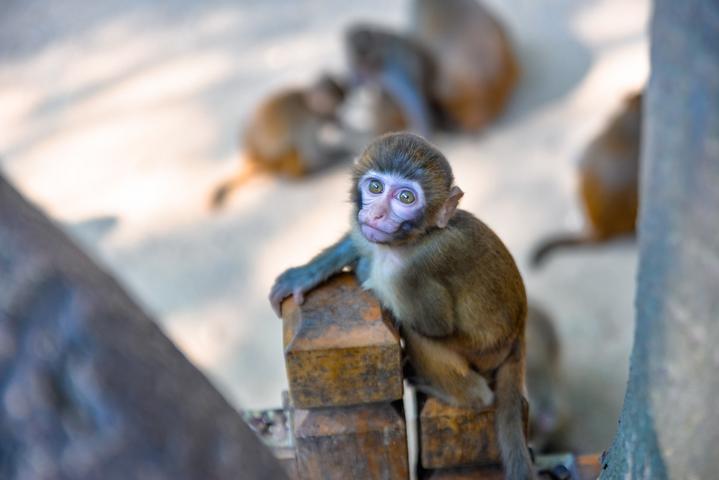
{"x": 363, "y": 441}
{"x": 344, "y": 367}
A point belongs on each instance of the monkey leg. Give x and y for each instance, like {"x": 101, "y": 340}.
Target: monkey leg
{"x": 444, "y": 373}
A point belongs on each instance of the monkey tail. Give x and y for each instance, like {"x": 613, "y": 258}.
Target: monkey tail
{"x": 510, "y": 411}
{"x": 224, "y": 189}
{"x": 540, "y": 254}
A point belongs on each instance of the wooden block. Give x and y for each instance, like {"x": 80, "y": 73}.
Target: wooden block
{"x": 454, "y": 437}
{"x": 287, "y": 459}
{"x": 362, "y": 441}
{"x": 589, "y": 466}
{"x": 583, "y": 467}
{"x": 486, "y": 472}
{"x": 338, "y": 348}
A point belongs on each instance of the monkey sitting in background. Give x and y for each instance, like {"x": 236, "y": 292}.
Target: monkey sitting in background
{"x": 476, "y": 66}
{"x": 293, "y": 133}
{"x": 447, "y": 279}
{"x": 608, "y": 183}
{"x": 403, "y": 72}
{"x": 548, "y": 414}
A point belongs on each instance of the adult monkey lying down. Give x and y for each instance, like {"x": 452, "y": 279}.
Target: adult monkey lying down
{"x": 449, "y": 281}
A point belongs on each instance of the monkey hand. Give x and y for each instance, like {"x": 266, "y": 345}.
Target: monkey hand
{"x": 296, "y": 282}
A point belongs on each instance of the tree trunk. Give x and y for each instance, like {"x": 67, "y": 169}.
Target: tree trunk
{"x": 90, "y": 388}
{"x": 669, "y": 426}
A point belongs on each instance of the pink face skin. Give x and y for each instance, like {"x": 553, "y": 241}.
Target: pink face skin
{"x": 387, "y": 202}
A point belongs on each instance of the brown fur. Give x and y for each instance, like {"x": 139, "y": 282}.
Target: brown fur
{"x": 388, "y": 117}
{"x": 458, "y": 297}
{"x": 476, "y": 66}
{"x": 609, "y": 174}
{"x": 608, "y": 183}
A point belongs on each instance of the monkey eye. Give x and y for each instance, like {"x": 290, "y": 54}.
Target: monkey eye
{"x": 375, "y": 186}
{"x": 406, "y": 197}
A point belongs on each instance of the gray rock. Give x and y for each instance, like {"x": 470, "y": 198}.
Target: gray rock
{"x": 90, "y": 387}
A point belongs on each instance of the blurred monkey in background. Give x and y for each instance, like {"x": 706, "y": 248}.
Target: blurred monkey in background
{"x": 476, "y": 67}
{"x": 403, "y": 72}
{"x": 292, "y": 133}
{"x": 455, "y": 69}
{"x": 608, "y": 183}
{"x": 548, "y": 413}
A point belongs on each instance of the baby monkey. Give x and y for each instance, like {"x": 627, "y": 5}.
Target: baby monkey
{"x": 293, "y": 133}
{"x": 447, "y": 279}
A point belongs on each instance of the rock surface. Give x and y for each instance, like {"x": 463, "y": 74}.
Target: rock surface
{"x": 90, "y": 386}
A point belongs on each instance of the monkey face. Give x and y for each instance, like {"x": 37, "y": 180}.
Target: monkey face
{"x": 412, "y": 192}
{"x": 390, "y": 206}
{"x": 365, "y": 47}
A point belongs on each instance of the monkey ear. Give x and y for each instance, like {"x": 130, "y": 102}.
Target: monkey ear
{"x": 449, "y": 207}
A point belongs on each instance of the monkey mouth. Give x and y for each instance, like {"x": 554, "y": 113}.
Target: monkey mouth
{"x": 374, "y": 234}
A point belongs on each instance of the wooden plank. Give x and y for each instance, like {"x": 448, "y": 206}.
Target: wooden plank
{"x": 589, "y": 466}
{"x": 454, "y": 437}
{"x": 362, "y": 441}
{"x": 339, "y": 350}
{"x": 486, "y": 472}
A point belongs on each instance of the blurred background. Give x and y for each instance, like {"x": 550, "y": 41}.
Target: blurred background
{"x": 119, "y": 118}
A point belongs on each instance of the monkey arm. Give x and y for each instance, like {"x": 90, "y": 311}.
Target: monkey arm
{"x": 362, "y": 269}
{"x": 299, "y": 280}
{"x": 429, "y": 310}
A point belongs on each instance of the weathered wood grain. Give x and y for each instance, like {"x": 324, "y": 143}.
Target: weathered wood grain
{"x": 338, "y": 348}
{"x": 453, "y": 437}
{"x": 363, "y": 441}
{"x": 485, "y": 472}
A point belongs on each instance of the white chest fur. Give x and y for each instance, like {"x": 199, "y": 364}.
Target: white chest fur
{"x": 385, "y": 267}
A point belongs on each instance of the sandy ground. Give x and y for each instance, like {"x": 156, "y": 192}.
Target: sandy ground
{"x": 118, "y": 118}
